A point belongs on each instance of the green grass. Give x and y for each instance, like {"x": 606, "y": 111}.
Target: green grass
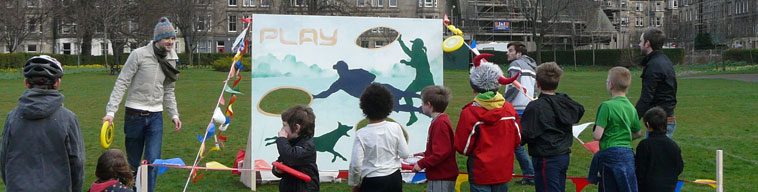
{"x": 711, "y": 114}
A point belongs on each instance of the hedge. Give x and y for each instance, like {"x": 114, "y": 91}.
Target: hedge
{"x": 224, "y": 63}
{"x": 15, "y": 60}
{"x": 603, "y": 57}
{"x": 746, "y": 55}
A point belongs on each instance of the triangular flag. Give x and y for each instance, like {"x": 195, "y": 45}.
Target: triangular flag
{"x": 229, "y": 111}
{"x": 217, "y": 165}
{"x": 223, "y": 127}
{"x": 446, "y": 20}
{"x": 221, "y": 100}
{"x": 216, "y": 148}
{"x": 462, "y": 178}
{"x": 197, "y": 178}
{"x": 247, "y": 20}
{"x": 174, "y": 161}
{"x": 580, "y": 183}
{"x": 210, "y": 131}
{"x": 218, "y": 116}
{"x": 419, "y": 177}
{"x": 679, "y": 186}
{"x": 230, "y": 90}
{"x": 473, "y": 44}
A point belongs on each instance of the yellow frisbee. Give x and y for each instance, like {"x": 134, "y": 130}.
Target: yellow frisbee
{"x": 452, "y": 43}
{"x": 106, "y": 135}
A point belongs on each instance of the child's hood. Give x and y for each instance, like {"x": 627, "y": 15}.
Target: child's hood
{"x": 490, "y": 100}
{"x": 96, "y": 187}
{"x": 566, "y": 110}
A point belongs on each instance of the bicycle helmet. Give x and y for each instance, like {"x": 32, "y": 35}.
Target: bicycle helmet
{"x": 43, "y": 66}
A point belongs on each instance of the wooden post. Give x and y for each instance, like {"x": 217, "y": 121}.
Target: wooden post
{"x": 719, "y": 171}
{"x": 142, "y": 178}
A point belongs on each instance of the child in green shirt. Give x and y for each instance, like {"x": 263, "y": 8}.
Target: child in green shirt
{"x": 616, "y": 125}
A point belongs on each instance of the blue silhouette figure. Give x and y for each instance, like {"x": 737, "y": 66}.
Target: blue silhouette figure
{"x": 354, "y": 81}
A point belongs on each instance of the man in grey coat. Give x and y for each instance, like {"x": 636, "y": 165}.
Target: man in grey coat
{"x": 149, "y": 75}
{"x": 524, "y": 65}
{"x": 42, "y": 147}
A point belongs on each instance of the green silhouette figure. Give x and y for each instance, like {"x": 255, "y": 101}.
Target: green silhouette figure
{"x": 325, "y": 142}
{"x": 420, "y": 62}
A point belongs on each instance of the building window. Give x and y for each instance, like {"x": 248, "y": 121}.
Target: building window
{"x": 66, "y": 49}
{"x": 360, "y": 3}
{"x": 675, "y": 4}
{"x": 32, "y": 26}
{"x": 297, "y": 3}
{"x": 31, "y": 48}
{"x": 393, "y": 3}
{"x": 364, "y": 43}
{"x": 248, "y": 3}
{"x": 420, "y": 3}
{"x": 203, "y": 23}
{"x": 640, "y": 22}
{"x": 658, "y": 6}
{"x": 232, "y": 23}
{"x": 32, "y": 3}
{"x": 378, "y": 44}
{"x": 377, "y": 3}
{"x": 640, "y": 7}
{"x": 657, "y": 21}
{"x": 265, "y": 3}
{"x": 623, "y": 4}
{"x": 624, "y": 21}
{"x": 428, "y": 3}
{"x": 220, "y": 46}
{"x": 232, "y": 3}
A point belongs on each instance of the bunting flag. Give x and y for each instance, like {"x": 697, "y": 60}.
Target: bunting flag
{"x": 223, "y": 119}
{"x": 229, "y": 111}
{"x": 679, "y": 186}
{"x": 217, "y": 165}
{"x": 239, "y": 78}
{"x": 230, "y": 90}
{"x": 174, "y": 161}
{"x": 210, "y": 132}
{"x": 473, "y": 44}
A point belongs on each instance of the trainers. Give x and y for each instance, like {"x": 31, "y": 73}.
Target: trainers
{"x": 525, "y": 182}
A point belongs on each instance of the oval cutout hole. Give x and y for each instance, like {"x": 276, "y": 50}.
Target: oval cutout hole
{"x": 377, "y": 37}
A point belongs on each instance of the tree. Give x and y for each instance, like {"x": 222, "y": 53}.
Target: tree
{"x": 19, "y": 19}
{"x": 319, "y": 7}
{"x": 703, "y": 41}
{"x": 544, "y": 15}
{"x": 194, "y": 20}
{"x": 110, "y": 14}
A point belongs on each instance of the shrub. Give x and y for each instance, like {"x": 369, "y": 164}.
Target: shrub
{"x": 224, "y": 63}
{"x": 747, "y": 55}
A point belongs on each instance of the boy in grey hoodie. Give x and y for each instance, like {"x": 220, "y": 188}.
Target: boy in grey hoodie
{"x": 42, "y": 147}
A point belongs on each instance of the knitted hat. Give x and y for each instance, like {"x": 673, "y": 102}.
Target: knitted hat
{"x": 486, "y": 76}
{"x": 163, "y": 29}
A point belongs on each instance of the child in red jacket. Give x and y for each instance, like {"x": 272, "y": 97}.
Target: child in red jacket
{"x": 439, "y": 157}
{"x": 488, "y": 131}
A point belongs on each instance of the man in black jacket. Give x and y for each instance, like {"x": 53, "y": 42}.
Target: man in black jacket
{"x": 42, "y": 147}
{"x": 658, "y": 78}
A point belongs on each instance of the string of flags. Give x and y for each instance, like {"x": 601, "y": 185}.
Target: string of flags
{"x": 221, "y": 117}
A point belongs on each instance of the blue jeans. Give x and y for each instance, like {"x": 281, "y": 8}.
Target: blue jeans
{"x": 551, "y": 172}
{"x": 144, "y": 133}
{"x": 613, "y": 170}
{"x": 523, "y": 158}
{"x": 670, "y": 128}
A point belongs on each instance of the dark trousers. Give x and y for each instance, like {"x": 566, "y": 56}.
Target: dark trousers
{"x": 550, "y": 173}
{"x": 392, "y": 182}
{"x": 144, "y": 133}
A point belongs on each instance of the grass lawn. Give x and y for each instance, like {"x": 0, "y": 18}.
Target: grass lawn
{"x": 711, "y": 114}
